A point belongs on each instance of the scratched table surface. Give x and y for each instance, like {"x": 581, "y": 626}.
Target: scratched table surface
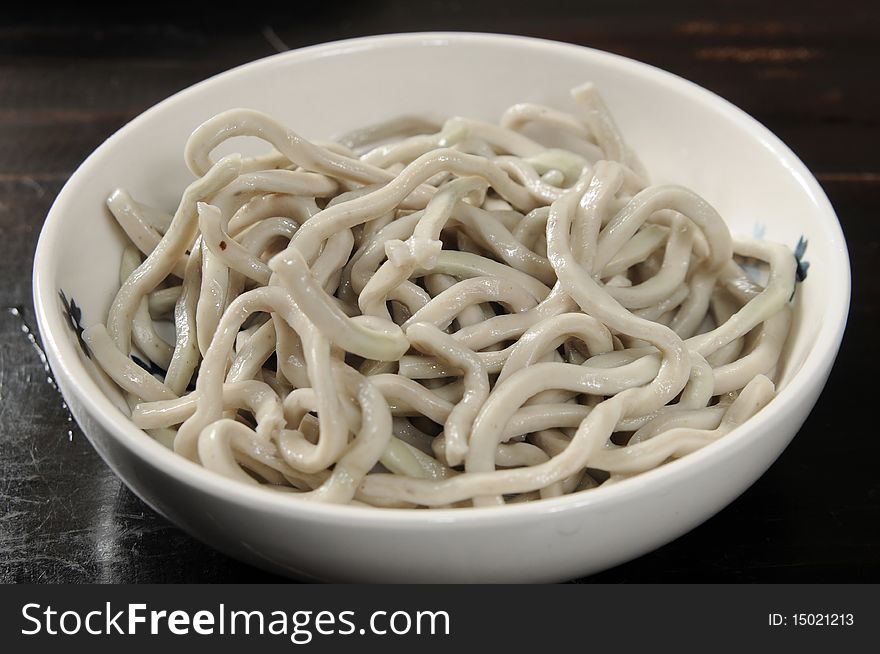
{"x": 70, "y": 78}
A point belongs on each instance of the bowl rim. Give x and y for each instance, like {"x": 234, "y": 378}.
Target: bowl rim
{"x": 67, "y": 364}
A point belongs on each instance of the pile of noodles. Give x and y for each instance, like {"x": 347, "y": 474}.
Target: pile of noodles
{"x": 425, "y": 315}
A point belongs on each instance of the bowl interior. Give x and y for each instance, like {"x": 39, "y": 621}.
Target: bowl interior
{"x": 683, "y": 134}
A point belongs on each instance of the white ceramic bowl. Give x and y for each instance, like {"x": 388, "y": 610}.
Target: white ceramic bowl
{"x": 683, "y": 133}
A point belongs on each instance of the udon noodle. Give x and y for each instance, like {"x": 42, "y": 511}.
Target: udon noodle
{"x": 439, "y": 314}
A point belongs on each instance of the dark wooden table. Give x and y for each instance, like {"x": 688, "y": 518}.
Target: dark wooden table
{"x": 70, "y": 78}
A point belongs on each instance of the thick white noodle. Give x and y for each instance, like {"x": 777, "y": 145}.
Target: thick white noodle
{"x": 438, "y": 314}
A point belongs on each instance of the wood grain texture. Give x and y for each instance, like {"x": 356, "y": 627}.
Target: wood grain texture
{"x": 69, "y": 77}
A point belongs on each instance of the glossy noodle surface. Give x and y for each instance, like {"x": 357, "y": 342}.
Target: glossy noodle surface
{"x": 439, "y": 315}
